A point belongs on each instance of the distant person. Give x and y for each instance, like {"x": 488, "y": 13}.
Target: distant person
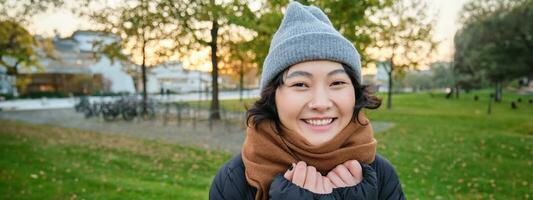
{"x": 307, "y": 137}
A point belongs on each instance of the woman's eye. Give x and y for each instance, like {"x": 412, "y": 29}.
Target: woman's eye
{"x": 338, "y": 83}
{"x": 299, "y": 85}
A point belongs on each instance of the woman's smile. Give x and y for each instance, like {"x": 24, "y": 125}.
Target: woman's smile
{"x": 319, "y": 124}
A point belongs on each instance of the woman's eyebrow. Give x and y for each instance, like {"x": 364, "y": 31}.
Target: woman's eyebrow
{"x": 299, "y": 73}
{"x": 337, "y": 71}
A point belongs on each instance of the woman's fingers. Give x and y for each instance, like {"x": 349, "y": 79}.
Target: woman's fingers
{"x": 347, "y": 174}
{"x": 319, "y": 186}
{"x": 328, "y": 186}
{"x": 307, "y": 177}
{"x": 289, "y": 173}
{"x": 310, "y": 178}
{"x": 355, "y": 169}
{"x": 344, "y": 174}
{"x": 300, "y": 172}
{"x": 336, "y": 180}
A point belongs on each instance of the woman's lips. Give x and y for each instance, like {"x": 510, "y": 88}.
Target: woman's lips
{"x": 315, "y": 127}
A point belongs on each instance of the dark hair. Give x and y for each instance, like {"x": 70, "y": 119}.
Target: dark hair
{"x": 264, "y": 109}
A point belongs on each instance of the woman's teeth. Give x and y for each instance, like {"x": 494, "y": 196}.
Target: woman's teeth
{"x": 319, "y": 122}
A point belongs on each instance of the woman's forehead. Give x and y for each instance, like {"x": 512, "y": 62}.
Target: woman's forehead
{"x": 314, "y": 67}
{"x": 316, "y": 63}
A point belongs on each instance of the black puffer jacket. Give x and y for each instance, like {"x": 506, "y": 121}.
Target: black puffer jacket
{"x": 379, "y": 182}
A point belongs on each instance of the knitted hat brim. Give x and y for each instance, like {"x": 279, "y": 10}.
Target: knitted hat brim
{"x": 308, "y": 47}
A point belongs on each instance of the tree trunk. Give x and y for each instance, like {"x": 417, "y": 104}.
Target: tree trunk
{"x": 215, "y": 114}
{"x": 389, "y": 97}
{"x": 497, "y": 92}
{"x": 241, "y": 81}
{"x": 143, "y": 68}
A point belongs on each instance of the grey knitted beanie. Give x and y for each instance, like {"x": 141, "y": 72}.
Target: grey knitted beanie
{"x": 306, "y": 34}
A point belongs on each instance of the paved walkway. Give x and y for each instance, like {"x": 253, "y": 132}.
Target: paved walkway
{"x": 56, "y": 103}
{"x": 227, "y": 136}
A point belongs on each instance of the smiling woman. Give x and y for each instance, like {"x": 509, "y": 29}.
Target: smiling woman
{"x": 317, "y": 100}
{"x": 306, "y": 136}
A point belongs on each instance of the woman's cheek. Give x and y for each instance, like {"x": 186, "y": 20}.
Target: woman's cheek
{"x": 345, "y": 99}
{"x": 294, "y": 102}
{"x": 290, "y": 102}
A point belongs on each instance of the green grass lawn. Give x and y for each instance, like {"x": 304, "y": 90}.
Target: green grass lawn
{"x": 445, "y": 149}
{"x": 42, "y": 162}
{"x": 442, "y": 149}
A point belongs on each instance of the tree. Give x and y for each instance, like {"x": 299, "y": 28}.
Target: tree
{"x": 419, "y": 80}
{"x": 205, "y": 23}
{"x": 442, "y": 75}
{"x": 238, "y": 62}
{"x": 17, "y": 46}
{"x": 155, "y": 31}
{"x": 403, "y": 38}
{"x": 21, "y": 11}
{"x": 141, "y": 28}
{"x": 264, "y": 22}
{"x": 496, "y": 42}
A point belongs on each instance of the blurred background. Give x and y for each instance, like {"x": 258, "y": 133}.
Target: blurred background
{"x": 122, "y": 99}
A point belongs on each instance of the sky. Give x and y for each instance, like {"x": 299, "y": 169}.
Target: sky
{"x": 63, "y": 22}
{"x": 447, "y": 24}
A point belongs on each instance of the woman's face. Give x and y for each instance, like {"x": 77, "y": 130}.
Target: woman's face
{"x": 316, "y": 100}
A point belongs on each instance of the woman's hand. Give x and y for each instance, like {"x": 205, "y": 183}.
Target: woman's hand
{"x": 347, "y": 174}
{"x": 307, "y": 177}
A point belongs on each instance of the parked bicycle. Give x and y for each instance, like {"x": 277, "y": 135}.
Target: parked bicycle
{"x": 126, "y": 107}
{"x": 93, "y": 110}
{"x": 82, "y": 105}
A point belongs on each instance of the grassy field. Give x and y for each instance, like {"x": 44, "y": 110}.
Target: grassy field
{"x": 442, "y": 149}
{"x": 445, "y": 149}
{"x": 41, "y": 162}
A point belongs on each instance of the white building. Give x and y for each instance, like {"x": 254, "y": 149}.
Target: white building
{"x": 6, "y": 82}
{"x": 77, "y": 55}
{"x": 173, "y": 77}
{"x": 111, "y": 71}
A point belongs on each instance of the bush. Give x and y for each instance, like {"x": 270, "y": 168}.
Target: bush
{"x": 6, "y": 97}
{"x": 35, "y": 95}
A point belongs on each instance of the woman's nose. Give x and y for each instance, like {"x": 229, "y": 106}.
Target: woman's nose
{"x": 321, "y": 101}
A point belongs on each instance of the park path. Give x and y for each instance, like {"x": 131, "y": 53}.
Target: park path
{"x": 225, "y": 135}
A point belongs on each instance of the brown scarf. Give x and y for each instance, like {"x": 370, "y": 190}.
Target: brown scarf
{"x": 265, "y": 153}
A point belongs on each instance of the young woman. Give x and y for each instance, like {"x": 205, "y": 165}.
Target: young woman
{"x": 306, "y": 136}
